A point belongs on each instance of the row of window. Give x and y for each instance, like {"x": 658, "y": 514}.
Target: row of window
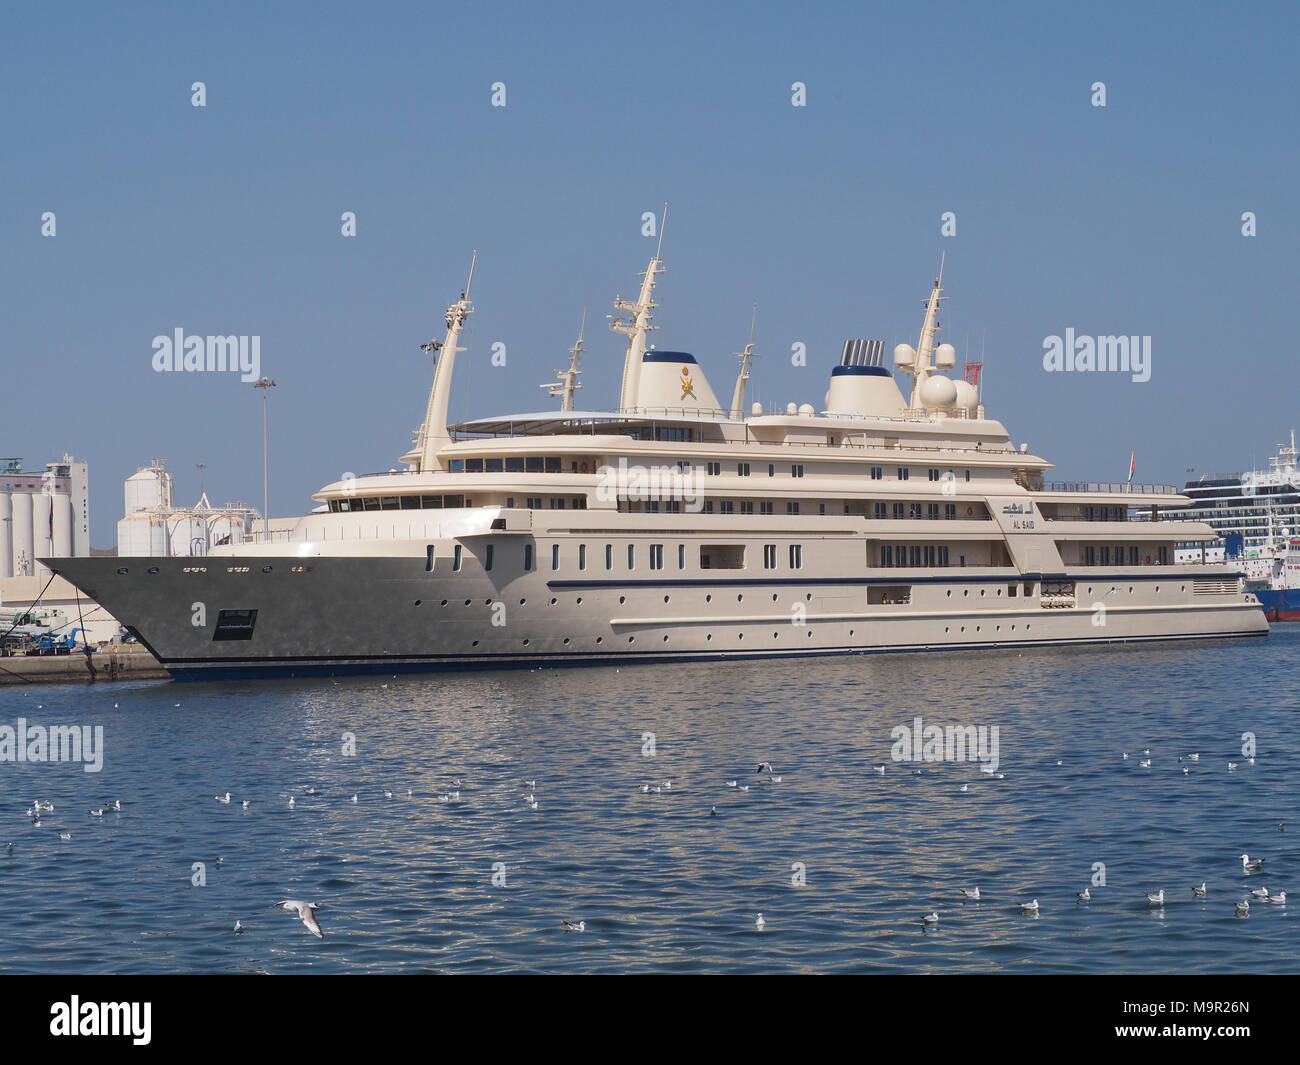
{"x": 1123, "y": 555}
{"x": 931, "y": 556}
{"x": 557, "y": 464}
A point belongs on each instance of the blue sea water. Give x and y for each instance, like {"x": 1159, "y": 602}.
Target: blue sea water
{"x": 406, "y": 884}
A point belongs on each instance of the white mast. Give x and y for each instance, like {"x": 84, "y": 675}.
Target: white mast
{"x": 432, "y": 435}
{"x": 738, "y": 397}
{"x": 636, "y": 327}
{"x": 570, "y": 376}
{"x": 925, "y": 345}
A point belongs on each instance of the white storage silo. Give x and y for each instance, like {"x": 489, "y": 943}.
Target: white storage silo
{"x": 63, "y": 521}
{"x": 42, "y": 530}
{"x": 6, "y": 535}
{"x": 24, "y": 564}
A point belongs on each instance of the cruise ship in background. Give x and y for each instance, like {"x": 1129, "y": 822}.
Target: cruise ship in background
{"x": 1256, "y": 515}
{"x": 677, "y": 527}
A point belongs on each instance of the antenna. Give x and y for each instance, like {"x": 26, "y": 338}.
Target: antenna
{"x": 754, "y": 318}
{"x": 662, "y": 226}
{"x": 472, "y": 263}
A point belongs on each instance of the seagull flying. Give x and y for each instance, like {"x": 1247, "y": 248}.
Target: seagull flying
{"x": 307, "y": 911}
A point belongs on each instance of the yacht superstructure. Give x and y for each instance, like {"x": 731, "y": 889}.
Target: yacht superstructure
{"x": 674, "y": 528}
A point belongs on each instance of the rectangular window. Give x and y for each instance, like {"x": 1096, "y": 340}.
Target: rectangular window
{"x": 796, "y": 556}
{"x": 1162, "y": 555}
{"x": 950, "y": 511}
{"x": 769, "y": 556}
{"x": 473, "y": 465}
{"x": 428, "y": 559}
{"x": 609, "y": 556}
{"x": 458, "y": 554}
{"x": 656, "y": 556}
{"x": 552, "y": 464}
{"x": 796, "y": 470}
{"x": 487, "y": 557}
{"x": 792, "y": 507}
{"x": 898, "y": 511}
{"x": 533, "y": 464}
{"x": 771, "y": 469}
{"x": 877, "y": 473}
{"x": 765, "y": 507}
{"x": 1105, "y": 554}
{"x": 1089, "y": 556}
{"x": 715, "y": 468}
{"x": 914, "y": 555}
{"x": 881, "y": 510}
{"x": 457, "y": 465}
{"x": 555, "y": 556}
{"x": 534, "y": 502}
{"x": 742, "y": 468}
{"x": 929, "y": 556}
{"x": 708, "y": 506}
{"x": 528, "y": 557}
{"x": 902, "y": 473}
{"x": 582, "y": 556}
{"x": 934, "y": 474}
{"x": 515, "y": 465}
{"x": 747, "y": 506}
{"x": 943, "y": 554}
{"x": 886, "y": 556}
{"x": 681, "y": 556}
{"x": 631, "y": 556}
{"x": 557, "y": 502}
{"x": 1133, "y": 555}
{"x": 726, "y": 506}
{"x": 494, "y": 465}
{"x": 932, "y": 511}
{"x": 235, "y": 625}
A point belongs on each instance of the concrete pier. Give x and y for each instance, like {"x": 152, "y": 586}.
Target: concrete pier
{"x": 129, "y": 662}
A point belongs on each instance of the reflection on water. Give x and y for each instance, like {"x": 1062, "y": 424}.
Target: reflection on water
{"x": 415, "y": 884}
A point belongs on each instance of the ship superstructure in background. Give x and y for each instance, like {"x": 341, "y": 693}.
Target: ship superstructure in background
{"x": 674, "y": 528}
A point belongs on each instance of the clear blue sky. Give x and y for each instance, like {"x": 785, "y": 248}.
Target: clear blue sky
{"x": 225, "y": 220}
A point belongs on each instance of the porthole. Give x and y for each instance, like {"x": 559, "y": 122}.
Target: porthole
{"x": 774, "y": 597}
{"x": 945, "y": 628}
{"x": 999, "y": 591}
{"x": 578, "y": 601}
{"x": 419, "y": 602}
{"x": 665, "y": 639}
{"x": 1090, "y": 589}
{"x": 708, "y": 598}
{"x": 554, "y": 601}
{"x": 740, "y": 635}
{"x": 121, "y": 571}
{"x": 810, "y": 634}
{"x": 1013, "y": 628}
{"x": 525, "y": 643}
{"x": 963, "y": 628}
{"x": 522, "y": 601}
{"x": 621, "y": 600}
{"x": 1130, "y": 589}
{"x": 487, "y": 602}
{"x": 708, "y": 637}
{"x": 665, "y": 598}
{"x": 600, "y": 639}
{"x": 776, "y": 635}
{"x": 949, "y": 593}
{"x": 468, "y": 601}
{"x": 444, "y": 602}
{"x": 965, "y": 592}
{"x": 631, "y": 639}
{"x": 977, "y": 628}
{"x": 808, "y": 597}
{"x": 850, "y": 632}
{"x": 998, "y": 629}
{"x": 474, "y": 644}
{"x": 153, "y": 569}
{"x": 266, "y": 569}
{"x": 1026, "y": 626}
{"x": 566, "y": 641}
{"x": 740, "y": 597}
{"x": 981, "y": 593}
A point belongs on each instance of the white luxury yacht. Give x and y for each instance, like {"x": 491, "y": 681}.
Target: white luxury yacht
{"x": 678, "y": 528}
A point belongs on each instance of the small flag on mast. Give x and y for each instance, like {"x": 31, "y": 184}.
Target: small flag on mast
{"x": 1132, "y": 466}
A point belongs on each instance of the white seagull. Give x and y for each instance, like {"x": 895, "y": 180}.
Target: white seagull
{"x": 354, "y": 798}
{"x": 97, "y": 813}
{"x": 1084, "y": 895}
{"x": 767, "y": 766}
{"x": 759, "y": 923}
{"x": 1193, "y": 757}
{"x": 1145, "y": 763}
{"x": 239, "y": 928}
{"x": 1232, "y": 766}
{"x": 1279, "y": 897}
{"x": 1251, "y": 865}
{"x": 965, "y": 787}
{"x": 222, "y": 798}
{"x": 1199, "y": 892}
{"x": 246, "y": 803}
{"x": 571, "y": 926}
{"x": 880, "y": 769}
{"x": 931, "y": 918}
{"x": 1243, "y": 908}
{"x": 1029, "y": 907}
{"x": 307, "y": 911}
{"x": 1158, "y": 899}
{"x": 970, "y": 893}
{"x": 291, "y": 801}
{"x": 1259, "y": 893}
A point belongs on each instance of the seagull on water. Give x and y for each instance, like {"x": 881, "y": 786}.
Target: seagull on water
{"x": 388, "y": 794}
{"x": 731, "y": 783}
{"x": 767, "y": 766}
{"x": 971, "y": 893}
{"x": 1199, "y": 892}
{"x": 1251, "y": 865}
{"x": 742, "y": 787}
{"x": 759, "y": 923}
{"x": 1243, "y": 908}
{"x": 239, "y": 928}
{"x": 292, "y": 802}
{"x": 1158, "y": 899}
{"x": 307, "y": 911}
{"x": 246, "y": 803}
{"x": 1280, "y": 897}
{"x": 531, "y": 783}
{"x": 532, "y": 806}
{"x": 68, "y": 835}
{"x": 9, "y": 849}
{"x": 1029, "y": 907}
{"x": 1084, "y": 895}
{"x": 713, "y": 811}
{"x": 880, "y": 769}
{"x": 222, "y": 798}
{"x": 930, "y": 919}
{"x": 1145, "y": 763}
{"x": 571, "y": 926}
{"x": 1232, "y": 766}
{"x": 96, "y": 813}
{"x": 1259, "y": 893}
{"x": 965, "y": 787}
{"x": 1193, "y": 757}
{"x": 116, "y": 804}
{"x": 354, "y": 798}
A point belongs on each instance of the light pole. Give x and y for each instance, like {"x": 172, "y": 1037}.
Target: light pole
{"x": 264, "y": 384}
